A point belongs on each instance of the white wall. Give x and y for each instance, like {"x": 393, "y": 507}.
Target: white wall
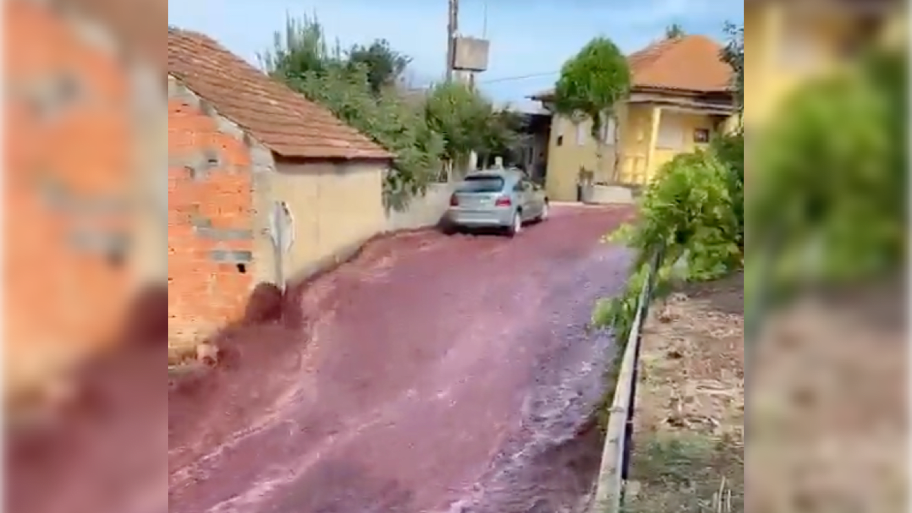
{"x": 420, "y": 211}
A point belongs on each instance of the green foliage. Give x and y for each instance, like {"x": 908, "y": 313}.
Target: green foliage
{"x": 460, "y": 115}
{"x": 384, "y": 65}
{"x": 729, "y": 148}
{"x": 502, "y": 134}
{"x": 384, "y": 117}
{"x": 733, "y": 54}
{"x": 688, "y": 211}
{"x": 359, "y": 87}
{"x": 687, "y": 216}
{"x": 829, "y": 194}
{"x": 300, "y": 48}
{"x": 827, "y": 204}
{"x": 592, "y": 82}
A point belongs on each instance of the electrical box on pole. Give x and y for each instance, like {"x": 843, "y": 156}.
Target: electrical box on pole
{"x": 470, "y": 54}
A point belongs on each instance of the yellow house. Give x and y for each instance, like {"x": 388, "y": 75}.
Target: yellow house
{"x": 793, "y": 41}
{"x": 680, "y": 96}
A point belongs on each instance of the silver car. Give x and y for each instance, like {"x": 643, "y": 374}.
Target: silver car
{"x": 497, "y": 198}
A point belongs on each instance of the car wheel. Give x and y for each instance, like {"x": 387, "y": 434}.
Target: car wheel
{"x": 516, "y": 225}
{"x": 545, "y": 212}
{"x": 448, "y": 228}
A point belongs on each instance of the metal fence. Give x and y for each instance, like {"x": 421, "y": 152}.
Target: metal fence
{"x": 612, "y": 477}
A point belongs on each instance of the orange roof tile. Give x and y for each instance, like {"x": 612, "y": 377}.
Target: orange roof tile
{"x": 284, "y": 121}
{"x": 690, "y": 63}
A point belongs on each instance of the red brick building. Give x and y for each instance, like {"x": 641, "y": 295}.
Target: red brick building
{"x": 237, "y": 142}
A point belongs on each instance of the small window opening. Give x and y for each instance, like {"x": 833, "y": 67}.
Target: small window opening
{"x": 241, "y": 268}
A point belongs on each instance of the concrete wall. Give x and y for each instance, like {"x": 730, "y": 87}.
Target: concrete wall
{"x": 570, "y": 148}
{"x": 420, "y": 211}
{"x": 336, "y": 207}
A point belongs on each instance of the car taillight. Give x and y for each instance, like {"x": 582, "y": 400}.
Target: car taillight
{"x": 454, "y": 201}
{"x": 503, "y": 201}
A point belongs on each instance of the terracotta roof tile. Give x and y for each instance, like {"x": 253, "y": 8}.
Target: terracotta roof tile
{"x": 690, "y": 63}
{"x": 281, "y": 119}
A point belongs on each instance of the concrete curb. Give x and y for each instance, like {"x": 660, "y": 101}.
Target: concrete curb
{"x": 610, "y": 481}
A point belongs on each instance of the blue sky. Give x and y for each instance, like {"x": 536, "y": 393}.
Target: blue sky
{"x": 528, "y": 37}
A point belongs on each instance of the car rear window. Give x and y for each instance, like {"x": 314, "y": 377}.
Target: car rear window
{"x": 482, "y": 184}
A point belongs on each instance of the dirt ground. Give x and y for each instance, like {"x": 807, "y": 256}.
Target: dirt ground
{"x": 827, "y": 404}
{"x": 828, "y": 426}
{"x": 688, "y": 438}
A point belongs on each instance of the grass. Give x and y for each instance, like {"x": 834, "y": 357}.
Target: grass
{"x": 686, "y": 473}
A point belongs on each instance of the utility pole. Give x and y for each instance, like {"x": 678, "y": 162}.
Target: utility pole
{"x": 452, "y": 30}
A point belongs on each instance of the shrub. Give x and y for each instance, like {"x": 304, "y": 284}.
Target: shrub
{"x": 688, "y": 214}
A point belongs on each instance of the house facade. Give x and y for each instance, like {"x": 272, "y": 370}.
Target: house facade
{"x": 791, "y": 42}
{"x": 680, "y": 97}
{"x": 238, "y": 144}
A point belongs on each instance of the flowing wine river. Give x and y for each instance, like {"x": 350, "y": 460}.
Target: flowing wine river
{"x": 433, "y": 373}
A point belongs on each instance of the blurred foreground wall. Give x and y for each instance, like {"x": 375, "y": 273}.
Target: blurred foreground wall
{"x": 79, "y": 198}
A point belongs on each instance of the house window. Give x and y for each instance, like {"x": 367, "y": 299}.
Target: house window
{"x": 560, "y": 134}
{"x": 581, "y": 134}
{"x": 701, "y": 135}
{"x": 671, "y": 134}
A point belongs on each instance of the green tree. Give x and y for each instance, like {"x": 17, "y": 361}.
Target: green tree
{"x": 590, "y": 85}
{"x": 299, "y": 48}
{"x": 733, "y": 54}
{"x": 674, "y": 31}
{"x": 502, "y": 135}
{"x": 302, "y": 59}
{"x": 384, "y": 65}
{"x": 467, "y": 121}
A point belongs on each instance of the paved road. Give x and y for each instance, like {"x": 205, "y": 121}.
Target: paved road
{"x": 415, "y": 373}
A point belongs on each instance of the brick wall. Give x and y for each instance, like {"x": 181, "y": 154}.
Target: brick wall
{"x": 67, "y": 172}
{"x": 210, "y": 220}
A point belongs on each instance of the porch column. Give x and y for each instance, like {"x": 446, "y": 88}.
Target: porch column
{"x": 655, "y": 121}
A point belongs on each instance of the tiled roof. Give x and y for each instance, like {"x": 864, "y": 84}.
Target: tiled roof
{"x": 689, "y": 63}
{"x": 284, "y": 121}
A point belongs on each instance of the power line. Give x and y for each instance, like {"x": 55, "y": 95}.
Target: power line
{"x": 518, "y": 77}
